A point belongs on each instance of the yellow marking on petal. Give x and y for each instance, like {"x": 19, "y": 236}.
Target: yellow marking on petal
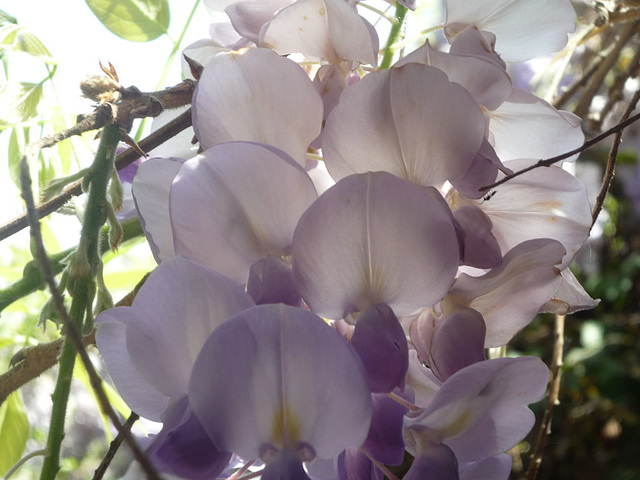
{"x": 285, "y": 429}
{"x": 457, "y": 426}
{"x": 322, "y": 11}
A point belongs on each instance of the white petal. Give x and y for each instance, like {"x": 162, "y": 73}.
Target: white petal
{"x": 151, "y": 187}
{"x": 526, "y": 126}
{"x": 544, "y": 203}
{"x": 257, "y": 96}
{"x": 523, "y": 28}
{"x": 320, "y": 29}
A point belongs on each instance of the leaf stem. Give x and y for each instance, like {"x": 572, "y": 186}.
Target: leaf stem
{"x": 394, "y": 33}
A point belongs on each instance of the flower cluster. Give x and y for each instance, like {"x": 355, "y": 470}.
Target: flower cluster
{"x": 325, "y": 317}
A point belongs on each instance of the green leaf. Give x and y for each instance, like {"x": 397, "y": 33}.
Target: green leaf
{"x": 134, "y": 20}
{"x": 15, "y": 154}
{"x": 14, "y": 431}
{"x": 19, "y": 102}
{"x": 6, "y": 18}
{"x": 19, "y": 39}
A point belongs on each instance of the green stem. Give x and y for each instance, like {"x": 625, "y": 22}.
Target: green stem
{"x": 401, "y": 11}
{"x": 169, "y": 62}
{"x": 82, "y": 287}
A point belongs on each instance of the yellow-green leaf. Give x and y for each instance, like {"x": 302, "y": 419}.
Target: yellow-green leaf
{"x": 14, "y": 431}
{"x": 135, "y": 20}
{"x": 19, "y": 102}
{"x": 18, "y": 39}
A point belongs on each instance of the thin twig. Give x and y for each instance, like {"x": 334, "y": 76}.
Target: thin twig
{"x": 626, "y": 33}
{"x": 552, "y": 399}
{"x": 550, "y": 161}
{"x": 114, "y": 446}
{"x": 611, "y": 160}
{"x": 126, "y": 158}
{"x": 573, "y": 89}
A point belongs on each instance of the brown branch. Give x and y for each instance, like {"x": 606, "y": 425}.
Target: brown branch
{"x": 552, "y": 399}
{"x": 626, "y": 33}
{"x": 611, "y": 160}
{"x": 127, "y": 157}
{"x": 624, "y": 15}
{"x": 550, "y": 161}
{"x": 113, "y": 447}
{"x": 615, "y": 93}
{"x": 31, "y": 362}
{"x": 581, "y": 82}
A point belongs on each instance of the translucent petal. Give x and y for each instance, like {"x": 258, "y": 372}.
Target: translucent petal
{"x": 544, "y": 203}
{"x": 320, "y": 29}
{"x": 174, "y": 312}
{"x": 367, "y": 240}
{"x": 277, "y": 376}
{"x": 510, "y": 295}
{"x": 404, "y": 121}
{"x": 482, "y": 410}
{"x": 151, "y": 187}
{"x": 525, "y": 126}
{"x": 524, "y": 28}
{"x": 257, "y": 96}
{"x": 252, "y": 197}
{"x": 137, "y": 392}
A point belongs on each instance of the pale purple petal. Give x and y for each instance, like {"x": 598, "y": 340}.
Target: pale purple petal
{"x": 352, "y": 464}
{"x": 381, "y": 344}
{"x": 570, "y": 297}
{"x": 436, "y": 461}
{"x": 187, "y": 451}
{"x": 510, "y": 295}
{"x": 524, "y": 29}
{"x": 384, "y": 442}
{"x": 482, "y": 171}
{"x": 271, "y": 281}
{"x": 174, "y": 312}
{"x": 257, "y": 96}
{"x": 482, "y": 410}
{"x": 458, "y": 341}
{"x": 481, "y": 249}
{"x": 404, "y": 121}
{"x": 285, "y": 465}
{"x": 138, "y": 393}
{"x": 367, "y": 240}
{"x": 486, "y": 82}
{"x": 151, "y": 187}
{"x": 248, "y": 16}
{"x": 492, "y": 468}
{"x": 474, "y": 43}
{"x": 278, "y": 377}
{"x": 251, "y": 197}
{"x": 525, "y": 126}
{"x": 423, "y": 382}
{"x": 328, "y": 30}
